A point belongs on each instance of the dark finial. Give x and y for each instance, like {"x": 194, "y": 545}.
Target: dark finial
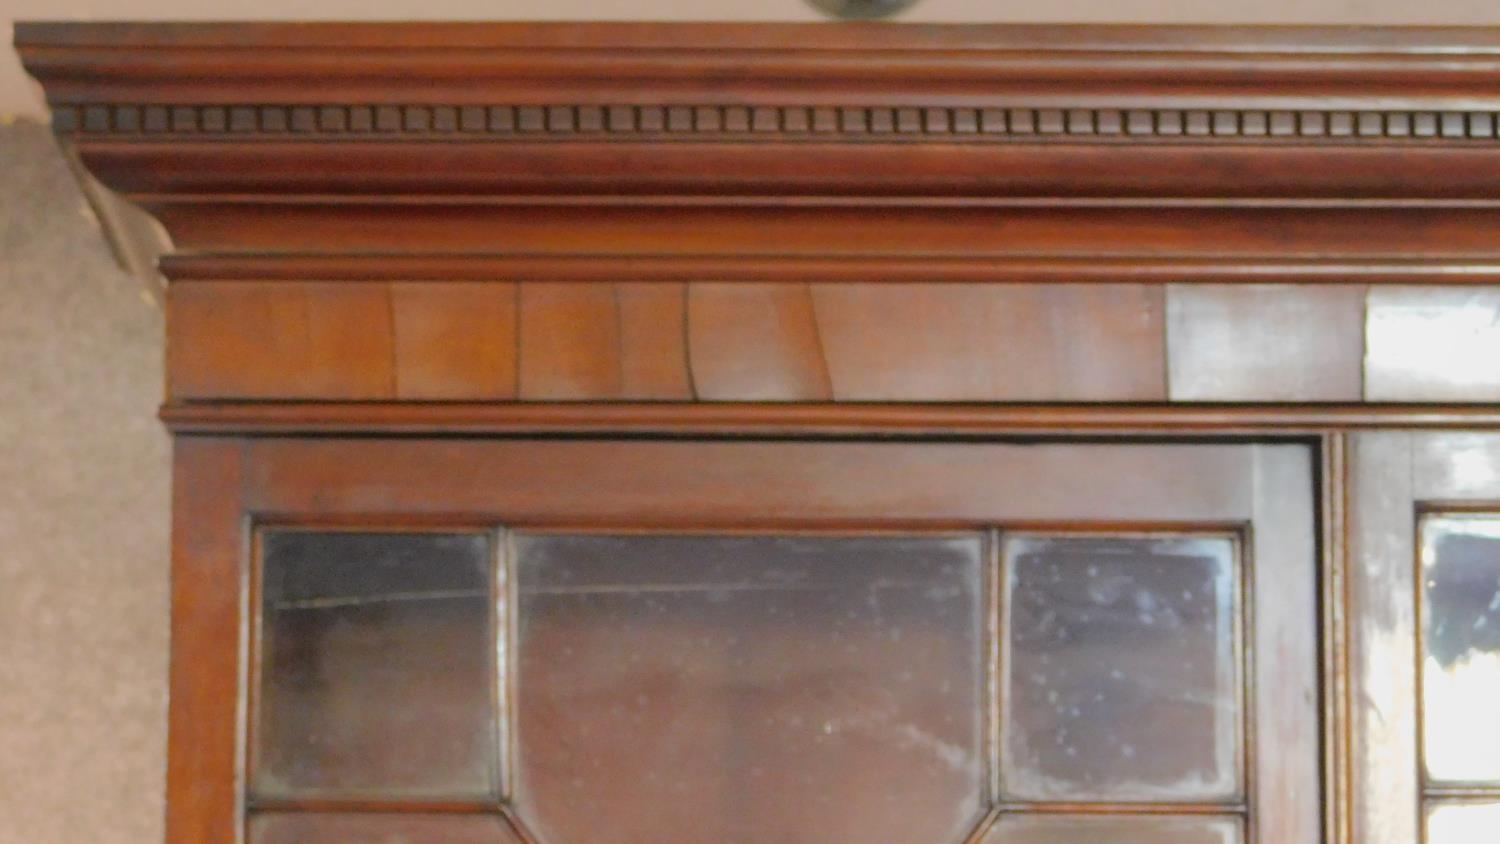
{"x": 861, "y": 9}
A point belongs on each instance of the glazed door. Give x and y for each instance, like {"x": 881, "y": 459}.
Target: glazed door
{"x": 1425, "y": 581}
{"x": 835, "y": 642}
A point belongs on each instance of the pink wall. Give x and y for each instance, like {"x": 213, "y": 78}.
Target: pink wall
{"x": 17, "y": 96}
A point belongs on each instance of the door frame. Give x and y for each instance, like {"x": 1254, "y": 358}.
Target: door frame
{"x": 227, "y": 486}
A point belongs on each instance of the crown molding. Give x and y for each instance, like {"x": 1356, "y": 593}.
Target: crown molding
{"x": 775, "y": 110}
{"x": 431, "y": 140}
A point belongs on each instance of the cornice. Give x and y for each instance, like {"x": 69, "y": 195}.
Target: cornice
{"x": 1337, "y": 149}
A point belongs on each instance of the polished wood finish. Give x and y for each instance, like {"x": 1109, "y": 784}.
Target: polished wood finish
{"x": 712, "y": 341}
{"x": 751, "y": 343}
{"x": 780, "y": 419}
{"x": 209, "y": 571}
{"x": 551, "y": 341}
{"x": 1354, "y": 155}
{"x": 888, "y": 268}
{"x": 992, "y": 342}
{"x": 245, "y": 340}
{"x": 570, "y": 342}
{"x": 455, "y": 340}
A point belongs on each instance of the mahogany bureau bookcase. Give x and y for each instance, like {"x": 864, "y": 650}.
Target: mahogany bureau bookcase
{"x": 679, "y": 434}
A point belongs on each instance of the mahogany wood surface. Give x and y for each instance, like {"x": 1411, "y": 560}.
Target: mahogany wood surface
{"x": 454, "y": 340}
{"x": 827, "y": 342}
{"x": 209, "y": 571}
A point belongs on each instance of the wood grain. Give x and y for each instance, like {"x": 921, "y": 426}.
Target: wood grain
{"x": 261, "y": 341}
{"x": 455, "y": 340}
{"x": 757, "y": 343}
{"x": 570, "y": 342}
{"x": 653, "y": 342}
{"x": 1265, "y": 343}
{"x": 603, "y": 342}
{"x": 993, "y": 342}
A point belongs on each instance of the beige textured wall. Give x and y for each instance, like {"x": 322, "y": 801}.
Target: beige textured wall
{"x": 83, "y": 520}
{"x": 83, "y": 463}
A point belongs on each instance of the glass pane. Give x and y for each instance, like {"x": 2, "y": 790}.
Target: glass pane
{"x": 1114, "y": 829}
{"x": 1461, "y": 663}
{"x": 739, "y": 689}
{"x": 388, "y": 828}
{"x": 1463, "y": 823}
{"x": 377, "y": 666}
{"x": 1121, "y": 669}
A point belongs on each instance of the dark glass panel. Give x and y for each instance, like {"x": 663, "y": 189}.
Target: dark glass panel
{"x": 377, "y": 666}
{"x": 739, "y": 689}
{"x": 1121, "y": 669}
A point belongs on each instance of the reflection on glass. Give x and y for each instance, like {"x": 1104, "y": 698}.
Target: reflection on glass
{"x": 1121, "y": 669}
{"x": 1463, "y": 823}
{"x": 749, "y": 689}
{"x": 1461, "y": 641}
{"x": 376, "y": 666}
{"x": 385, "y": 828}
{"x": 1114, "y": 829}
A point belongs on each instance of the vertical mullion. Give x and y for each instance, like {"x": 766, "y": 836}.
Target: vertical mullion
{"x": 993, "y": 572}
{"x": 1385, "y": 805}
{"x": 995, "y": 591}
{"x": 1335, "y": 627}
{"x": 501, "y": 608}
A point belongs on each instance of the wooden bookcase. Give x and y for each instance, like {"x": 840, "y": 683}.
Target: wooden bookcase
{"x": 820, "y": 373}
